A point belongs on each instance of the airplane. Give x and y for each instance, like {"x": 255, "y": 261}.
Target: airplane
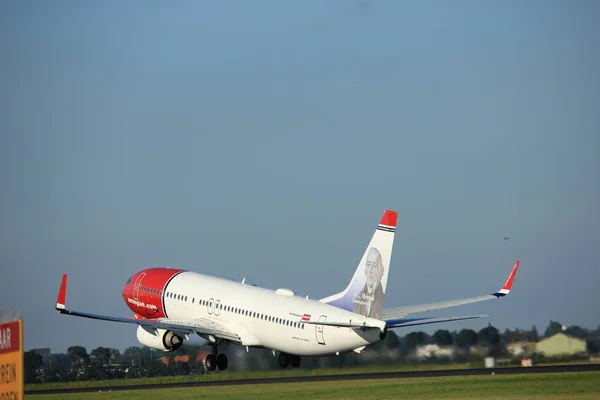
{"x": 169, "y": 305}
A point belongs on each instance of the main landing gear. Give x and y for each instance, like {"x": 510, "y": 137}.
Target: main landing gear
{"x": 289, "y": 359}
{"x": 216, "y": 360}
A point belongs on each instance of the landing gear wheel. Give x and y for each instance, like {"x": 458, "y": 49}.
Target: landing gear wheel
{"x": 284, "y": 360}
{"x": 295, "y": 361}
{"x": 222, "y": 362}
{"x": 210, "y": 362}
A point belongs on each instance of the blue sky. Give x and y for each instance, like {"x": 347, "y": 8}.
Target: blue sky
{"x": 265, "y": 139}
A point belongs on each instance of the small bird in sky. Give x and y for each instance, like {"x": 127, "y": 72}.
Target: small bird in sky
{"x": 506, "y": 237}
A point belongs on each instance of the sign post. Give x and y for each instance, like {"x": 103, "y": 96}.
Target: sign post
{"x": 11, "y": 360}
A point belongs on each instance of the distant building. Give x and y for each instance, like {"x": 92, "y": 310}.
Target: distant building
{"x": 521, "y": 349}
{"x": 182, "y": 358}
{"x": 45, "y": 353}
{"x": 185, "y": 358}
{"x": 42, "y": 352}
{"x": 433, "y": 350}
{"x": 560, "y": 345}
{"x": 479, "y": 350}
{"x": 124, "y": 360}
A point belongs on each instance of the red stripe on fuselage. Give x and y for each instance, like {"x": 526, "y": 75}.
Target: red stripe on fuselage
{"x": 143, "y": 293}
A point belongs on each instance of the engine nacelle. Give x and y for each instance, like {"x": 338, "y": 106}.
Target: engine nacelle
{"x": 163, "y": 340}
{"x": 383, "y": 333}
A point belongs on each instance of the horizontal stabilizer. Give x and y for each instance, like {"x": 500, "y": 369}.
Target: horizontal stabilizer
{"x": 400, "y": 322}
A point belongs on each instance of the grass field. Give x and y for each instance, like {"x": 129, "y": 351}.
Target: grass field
{"x": 575, "y": 385}
{"x": 228, "y": 375}
{"x": 220, "y": 376}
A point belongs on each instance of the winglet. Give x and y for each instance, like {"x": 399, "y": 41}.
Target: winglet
{"x": 508, "y": 284}
{"x": 62, "y": 294}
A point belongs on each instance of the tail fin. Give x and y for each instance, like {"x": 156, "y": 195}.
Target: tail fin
{"x": 365, "y": 293}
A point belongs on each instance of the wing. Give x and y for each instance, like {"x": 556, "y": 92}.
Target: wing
{"x": 394, "y": 316}
{"x": 200, "y": 326}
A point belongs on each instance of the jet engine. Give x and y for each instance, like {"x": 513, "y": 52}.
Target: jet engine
{"x": 163, "y": 339}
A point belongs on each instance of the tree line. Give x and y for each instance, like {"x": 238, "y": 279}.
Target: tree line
{"x": 104, "y": 363}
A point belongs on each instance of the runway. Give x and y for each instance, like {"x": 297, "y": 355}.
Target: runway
{"x": 340, "y": 377}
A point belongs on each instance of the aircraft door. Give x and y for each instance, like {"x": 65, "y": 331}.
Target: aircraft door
{"x": 319, "y": 330}
{"x": 136, "y": 285}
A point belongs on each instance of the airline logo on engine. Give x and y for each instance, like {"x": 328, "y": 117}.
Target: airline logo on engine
{"x": 11, "y": 360}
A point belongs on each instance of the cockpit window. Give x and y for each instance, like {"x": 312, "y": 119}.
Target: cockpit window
{"x": 128, "y": 281}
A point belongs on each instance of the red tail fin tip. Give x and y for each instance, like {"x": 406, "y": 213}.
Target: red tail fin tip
{"x": 389, "y": 218}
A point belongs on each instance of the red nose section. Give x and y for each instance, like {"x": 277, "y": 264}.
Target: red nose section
{"x": 143, "y": 292}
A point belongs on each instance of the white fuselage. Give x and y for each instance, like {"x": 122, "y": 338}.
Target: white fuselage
{"x": 264, "y": 318}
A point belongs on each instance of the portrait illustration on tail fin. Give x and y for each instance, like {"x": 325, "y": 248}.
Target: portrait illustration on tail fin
{"x": 369, "y": 300}
{"x": 365, "y": 293}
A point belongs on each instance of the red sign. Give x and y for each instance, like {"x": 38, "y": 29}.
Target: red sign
{"x": 11, "y": 360}
{"x": 10, "y": 337}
